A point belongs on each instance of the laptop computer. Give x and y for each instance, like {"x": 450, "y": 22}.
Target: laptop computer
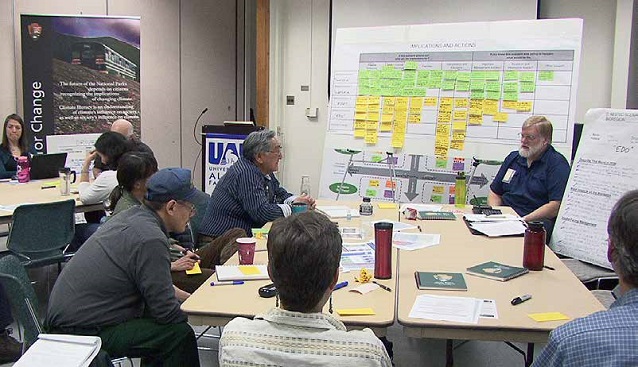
{"x": 46, "y": 165}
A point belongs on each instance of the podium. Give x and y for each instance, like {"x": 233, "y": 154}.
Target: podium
{"x": 222, "y": 146}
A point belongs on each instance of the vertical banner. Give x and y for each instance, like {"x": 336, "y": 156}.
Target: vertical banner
{"x": 80, "y": 73}
{"x": 221, "y": 152}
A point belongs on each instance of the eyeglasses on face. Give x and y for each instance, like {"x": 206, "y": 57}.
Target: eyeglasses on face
{"x": 188, "y": 205}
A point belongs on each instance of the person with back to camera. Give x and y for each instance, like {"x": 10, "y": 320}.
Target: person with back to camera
{"x": 249, "y": 195}
{"x": 532, "y": 180}
{"x": 304, "y": 251}
{"x": 606, "y": 338}
{"x": 125, "y": 128}
{"x": 14, "y": 144}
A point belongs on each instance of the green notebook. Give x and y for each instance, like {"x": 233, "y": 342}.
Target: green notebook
{"x": 434, "y": 215}
{"x": 496, "y": 271}
{"x": 440, "y": 280}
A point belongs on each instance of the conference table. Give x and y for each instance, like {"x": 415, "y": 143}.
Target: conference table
{"x": 555, "y": 290}
{"x": 35, "y": 192}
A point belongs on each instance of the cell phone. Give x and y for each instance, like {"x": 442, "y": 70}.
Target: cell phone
{"x": 268, "y": 291}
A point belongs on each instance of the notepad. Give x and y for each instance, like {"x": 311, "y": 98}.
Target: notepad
{"x": 241, "y": 272}
{"x": 61, "y": 350}
{"x": 387, "y": 206}
{"x": 548, "y": 316}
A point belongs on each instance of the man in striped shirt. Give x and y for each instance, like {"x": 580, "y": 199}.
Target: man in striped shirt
{"x": 249, "y": 195}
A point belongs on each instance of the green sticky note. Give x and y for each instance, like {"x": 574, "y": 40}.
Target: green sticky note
{"x": 527, "y": 76}
{"x": 450, "y": 74}
{"x": 377, "y": 158}
{"x": 434, "y": 83}
{"x": 546, "y": 75}
{"x": 462, "y": 85}
{"x": 493, "y": 95}
{"x": 371, "y": 192}
{"x": 477, "y": 84}
{"x": 493, "y": 86}
{"x": 420, "y": 92}
{"x": 510, "y": 96}
{"x": 463, "y": 76}
{"x": 527, "y": 87}
{"x": 364, "y": 74}
{"x": 478, "y": 75}
{"x": 410, "y": 65}
{"x": 409, "y": 75}
{"x": 447, "y": 84}
{"x": 492, "y": 75}
{"x": 375, "y": 74}
{"x": 436, "y": 74}
{"x": 510, "y": 87}
{"x": 511, "y": 75}
{"x": 364, "y": 90}
{"x": 407, "y": 91}
{"x": 436, "y": 199}
{"x": 477, "y": 94}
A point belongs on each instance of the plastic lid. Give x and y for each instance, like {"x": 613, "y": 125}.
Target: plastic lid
{"x": 366, "y": 199}
{"x": 536, "y": 226}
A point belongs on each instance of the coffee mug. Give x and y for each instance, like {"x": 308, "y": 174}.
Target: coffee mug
{"x": 246, "y": 250}
{"x": 65, "y": 174}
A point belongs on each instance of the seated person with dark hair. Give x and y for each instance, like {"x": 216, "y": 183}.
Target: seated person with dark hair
{"x": 606, "y": 338}
{"x": 532, "y": 180}
{"x": 14, "y": 144}
{"x": 303, "y": 262}
{"x": 249, "y": 195}
{"x": 118, "y": 285}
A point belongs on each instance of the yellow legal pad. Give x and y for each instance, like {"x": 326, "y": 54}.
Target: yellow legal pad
{"x": 355, "y": 311}
{"x": 194, "y": 270}
{"x": 548, "y": 316}
{"x": 387, "y": 205}
{"x": 249, "y": 269}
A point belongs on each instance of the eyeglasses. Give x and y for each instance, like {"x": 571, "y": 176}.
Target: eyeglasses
{"x": 190, "y": 206}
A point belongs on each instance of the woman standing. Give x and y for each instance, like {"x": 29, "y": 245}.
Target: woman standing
{"x": 14, "y": 145}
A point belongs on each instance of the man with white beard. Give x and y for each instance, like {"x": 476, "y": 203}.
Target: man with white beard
{"x": 532, "y": 180}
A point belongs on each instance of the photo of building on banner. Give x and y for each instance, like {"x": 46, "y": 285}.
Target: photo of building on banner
{"x": 80, "y": 73}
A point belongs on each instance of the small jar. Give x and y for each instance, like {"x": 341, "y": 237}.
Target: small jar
{"x": 366, "y": 207}
{"x": 534, "y": 246}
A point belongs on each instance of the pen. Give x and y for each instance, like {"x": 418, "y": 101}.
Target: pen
{"x": 548, "y": 267}
{"x": 521, "y": 299}
{"x": 227, "y": 282}
{"x": 382, "y": 286}
{"x": 48, "y": 187}
{"x": 419, "y": 227}
{"x": 341, "y": 285}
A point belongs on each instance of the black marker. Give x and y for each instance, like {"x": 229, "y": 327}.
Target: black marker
{"x": 521, "y": 299}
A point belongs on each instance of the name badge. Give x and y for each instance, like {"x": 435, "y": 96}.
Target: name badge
{"x": 508, "y": 175}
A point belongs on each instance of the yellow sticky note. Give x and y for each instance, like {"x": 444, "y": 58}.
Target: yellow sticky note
{"x": 249, "y": 269}
{"x": 361, "y": 108}
{"x": 416, "y": 101}
{"x": 374, "y": 183}
{"x": 388, "y": 101}
{"x": 387, "y": 118}
{"x": 430, "y": 101}
{"x": 414, "y": 119}
{"x": 360, "y": 115}
{"x": 524, "y": 106}
{"x": 461, "y": 102}
{"x": 548, "y": 316}
{"x": 512, "y": 105}
{"x": 459, "y": 125}
{"x": 359, "y": 133}
{"x": 362, "y": 100}
{"x": 476, "y": 119}
{"x": 387, "y": 206}
{"x": 385, "y": 126}
{"x": 374, "y": 100}
{"x": 501, "y": 117}
{"x": 460, "y": 114}
{"x": 195, "y": 270}
{"x": 355, "y": 311}
{"x": 447, "y": 101}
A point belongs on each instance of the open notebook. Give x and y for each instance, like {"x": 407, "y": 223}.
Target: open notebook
{"x": 241, "y": 272}
{"x": 61, "y": 350}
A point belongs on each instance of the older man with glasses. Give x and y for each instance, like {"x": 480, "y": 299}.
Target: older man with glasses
{"x": 532, "y": 179}
{"x": 249, "y": 195}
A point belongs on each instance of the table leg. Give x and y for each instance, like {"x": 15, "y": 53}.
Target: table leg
{"x": 449, "y": 353}
{"x": 529, "y": 357}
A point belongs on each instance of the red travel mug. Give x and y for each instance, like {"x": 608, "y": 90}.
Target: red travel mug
{"x": 383, "y": 250}
{"x": 534, "y": 246}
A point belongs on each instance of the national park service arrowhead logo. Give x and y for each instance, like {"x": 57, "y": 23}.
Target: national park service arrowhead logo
{"x": 35, "y": 31}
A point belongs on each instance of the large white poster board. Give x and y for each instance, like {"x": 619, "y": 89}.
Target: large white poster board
{"x": 604, "y": 169}
{"x": 446, "y": 92}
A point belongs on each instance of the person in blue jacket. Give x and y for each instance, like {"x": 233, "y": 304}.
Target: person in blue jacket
{"x": 14, "y": 144}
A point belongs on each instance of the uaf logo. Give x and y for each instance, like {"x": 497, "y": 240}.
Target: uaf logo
{"x": 224, "y": 152}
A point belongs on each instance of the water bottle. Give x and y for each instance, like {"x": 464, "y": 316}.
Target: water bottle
{"x": 383, "y": 250}
{"x": 460, "y": 190}
{"x": 24, "y": 169}
{"x": 534, "y": 246}
{"x": 366, "y": 207}
{"x": 305, "y": 185}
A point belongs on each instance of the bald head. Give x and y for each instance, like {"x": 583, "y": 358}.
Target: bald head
{"x": 123, "y": 127}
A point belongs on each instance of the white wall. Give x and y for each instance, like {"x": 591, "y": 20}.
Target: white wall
{"x": 297, "y": 24}
{"x": 187, "y": 64}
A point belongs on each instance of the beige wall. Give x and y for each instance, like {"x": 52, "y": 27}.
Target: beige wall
{"x": 187, "y": 64}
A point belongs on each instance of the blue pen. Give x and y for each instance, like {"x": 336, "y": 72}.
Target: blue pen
{"x": 228, "y": 282}
{"x": 341, "y": 285}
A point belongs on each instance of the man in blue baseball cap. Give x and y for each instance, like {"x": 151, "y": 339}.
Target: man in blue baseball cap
{"x": 118, "y": 285}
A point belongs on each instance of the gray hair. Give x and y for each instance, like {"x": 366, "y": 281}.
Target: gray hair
{"x": 257, "y": 142}
{"x": 623, "y": 233}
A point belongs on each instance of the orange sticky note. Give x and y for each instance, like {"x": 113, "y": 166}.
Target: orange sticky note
{"x": 548, "y": 316}
{"x": 355, "y": 311}
{"x": 195, "y": 270}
